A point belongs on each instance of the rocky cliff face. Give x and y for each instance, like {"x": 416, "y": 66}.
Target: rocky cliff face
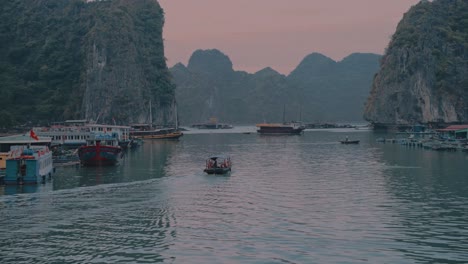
{"x": 423, "y": 76}
{"x": 125, "y": 65}
{"x": 95, "y": 60}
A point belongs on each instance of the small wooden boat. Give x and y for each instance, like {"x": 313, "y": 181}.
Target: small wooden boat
{"x": 349, "y": 141}
{"x": 218, "y": 165}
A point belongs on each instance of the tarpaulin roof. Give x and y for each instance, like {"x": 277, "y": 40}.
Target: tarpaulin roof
{"x": 453, "y": 128}
{"x": 219, "y": 157}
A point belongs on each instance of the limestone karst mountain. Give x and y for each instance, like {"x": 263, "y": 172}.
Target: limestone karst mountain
{"x": 99, "y": 60}
{"x": 319, "y": 89}
{"x": 423, "y": 76}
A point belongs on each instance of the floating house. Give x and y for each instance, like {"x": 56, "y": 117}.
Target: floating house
{"x": 455, "y": 131}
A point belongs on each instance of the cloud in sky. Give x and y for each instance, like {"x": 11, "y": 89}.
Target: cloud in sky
{"x": 278, "y": 33}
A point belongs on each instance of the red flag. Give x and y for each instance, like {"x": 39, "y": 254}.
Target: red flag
{"x": 33, "y": 135}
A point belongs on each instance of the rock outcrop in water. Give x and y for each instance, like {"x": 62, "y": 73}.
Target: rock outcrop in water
{"x": 423, "y": 76}
{"x": 66, "y": 59}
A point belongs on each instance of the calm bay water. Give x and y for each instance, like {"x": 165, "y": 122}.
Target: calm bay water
{"x": 289, "y": 199}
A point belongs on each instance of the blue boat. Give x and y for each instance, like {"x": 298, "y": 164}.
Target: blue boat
{"x": 34, "y": 165}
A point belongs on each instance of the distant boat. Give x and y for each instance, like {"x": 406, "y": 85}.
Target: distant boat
{"x": 349, "y": 141}
{"x": 326, "y": 125}
{"x": 212, "y": 124}
{"x": 100, "y": 150}
{"x": 218, "y": 165}
{"x": 293, "y": 128}
{"x": 146, "y": 131}
{"x": 366, "y": 127}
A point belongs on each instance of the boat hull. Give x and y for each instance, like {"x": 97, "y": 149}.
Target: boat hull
{"x": 99, "y": 155}
{"x": 212, "y": 126}
{"x": 350, "y": 142}
{"x": 175, "y": 135}
{"x": 280, "y": 131}
{"x": 30, "y": 168}
{"x": 217, "y": 170}
{"x": 157, "y": 134}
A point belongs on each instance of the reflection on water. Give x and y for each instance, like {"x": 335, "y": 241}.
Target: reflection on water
{"x": 14, "y": 189}
{"x": 429, "y": 193}
{"x": 146, "y": 162}
{"x": 288, "y": 199}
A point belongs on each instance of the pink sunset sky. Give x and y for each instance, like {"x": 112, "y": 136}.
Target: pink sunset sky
{"x": 278, "y": 33}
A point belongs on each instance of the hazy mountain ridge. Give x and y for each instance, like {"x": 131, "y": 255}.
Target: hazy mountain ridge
{"x": 424, "y": 72}
{"x": 319, "y": 89}
{"x": 71, "y": 59}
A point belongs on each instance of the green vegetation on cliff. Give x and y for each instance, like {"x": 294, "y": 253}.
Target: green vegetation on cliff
{"x": 41, "y": 59}
{"x": 424, "y": 73}
{"x": 63, "y": 59}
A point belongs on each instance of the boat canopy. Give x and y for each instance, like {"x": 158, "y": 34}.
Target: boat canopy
{"x": 215, "y": 157}
{"x": 269, "y": 125}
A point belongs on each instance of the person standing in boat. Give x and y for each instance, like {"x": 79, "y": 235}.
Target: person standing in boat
{"x": 346, "y": 139}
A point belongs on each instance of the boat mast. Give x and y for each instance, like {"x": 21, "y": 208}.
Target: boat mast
{"x": 284, "y": 114}
{"x": 300, "y": 113}
{"x": 151, "y": 115}
{"x": 176, "y": 117}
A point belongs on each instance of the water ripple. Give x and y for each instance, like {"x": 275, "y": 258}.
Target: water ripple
{"x": 302, "y": 199}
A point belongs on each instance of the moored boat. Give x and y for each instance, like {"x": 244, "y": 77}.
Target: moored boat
{"x": 212, "y": 124}
{"x": 4, "y": 156}
{"x": 293, "y": 128}
{"x": 145, "y": 132}
{"x": 218, "y": 165}
{"x": 100, "y": 150}
{"x": 32, "y": 166}
{"x": 74, "y": 133}
{"x": 11, "y": 147}
{"x": 165, "y": 134}
{"x": 349, "y": 141}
